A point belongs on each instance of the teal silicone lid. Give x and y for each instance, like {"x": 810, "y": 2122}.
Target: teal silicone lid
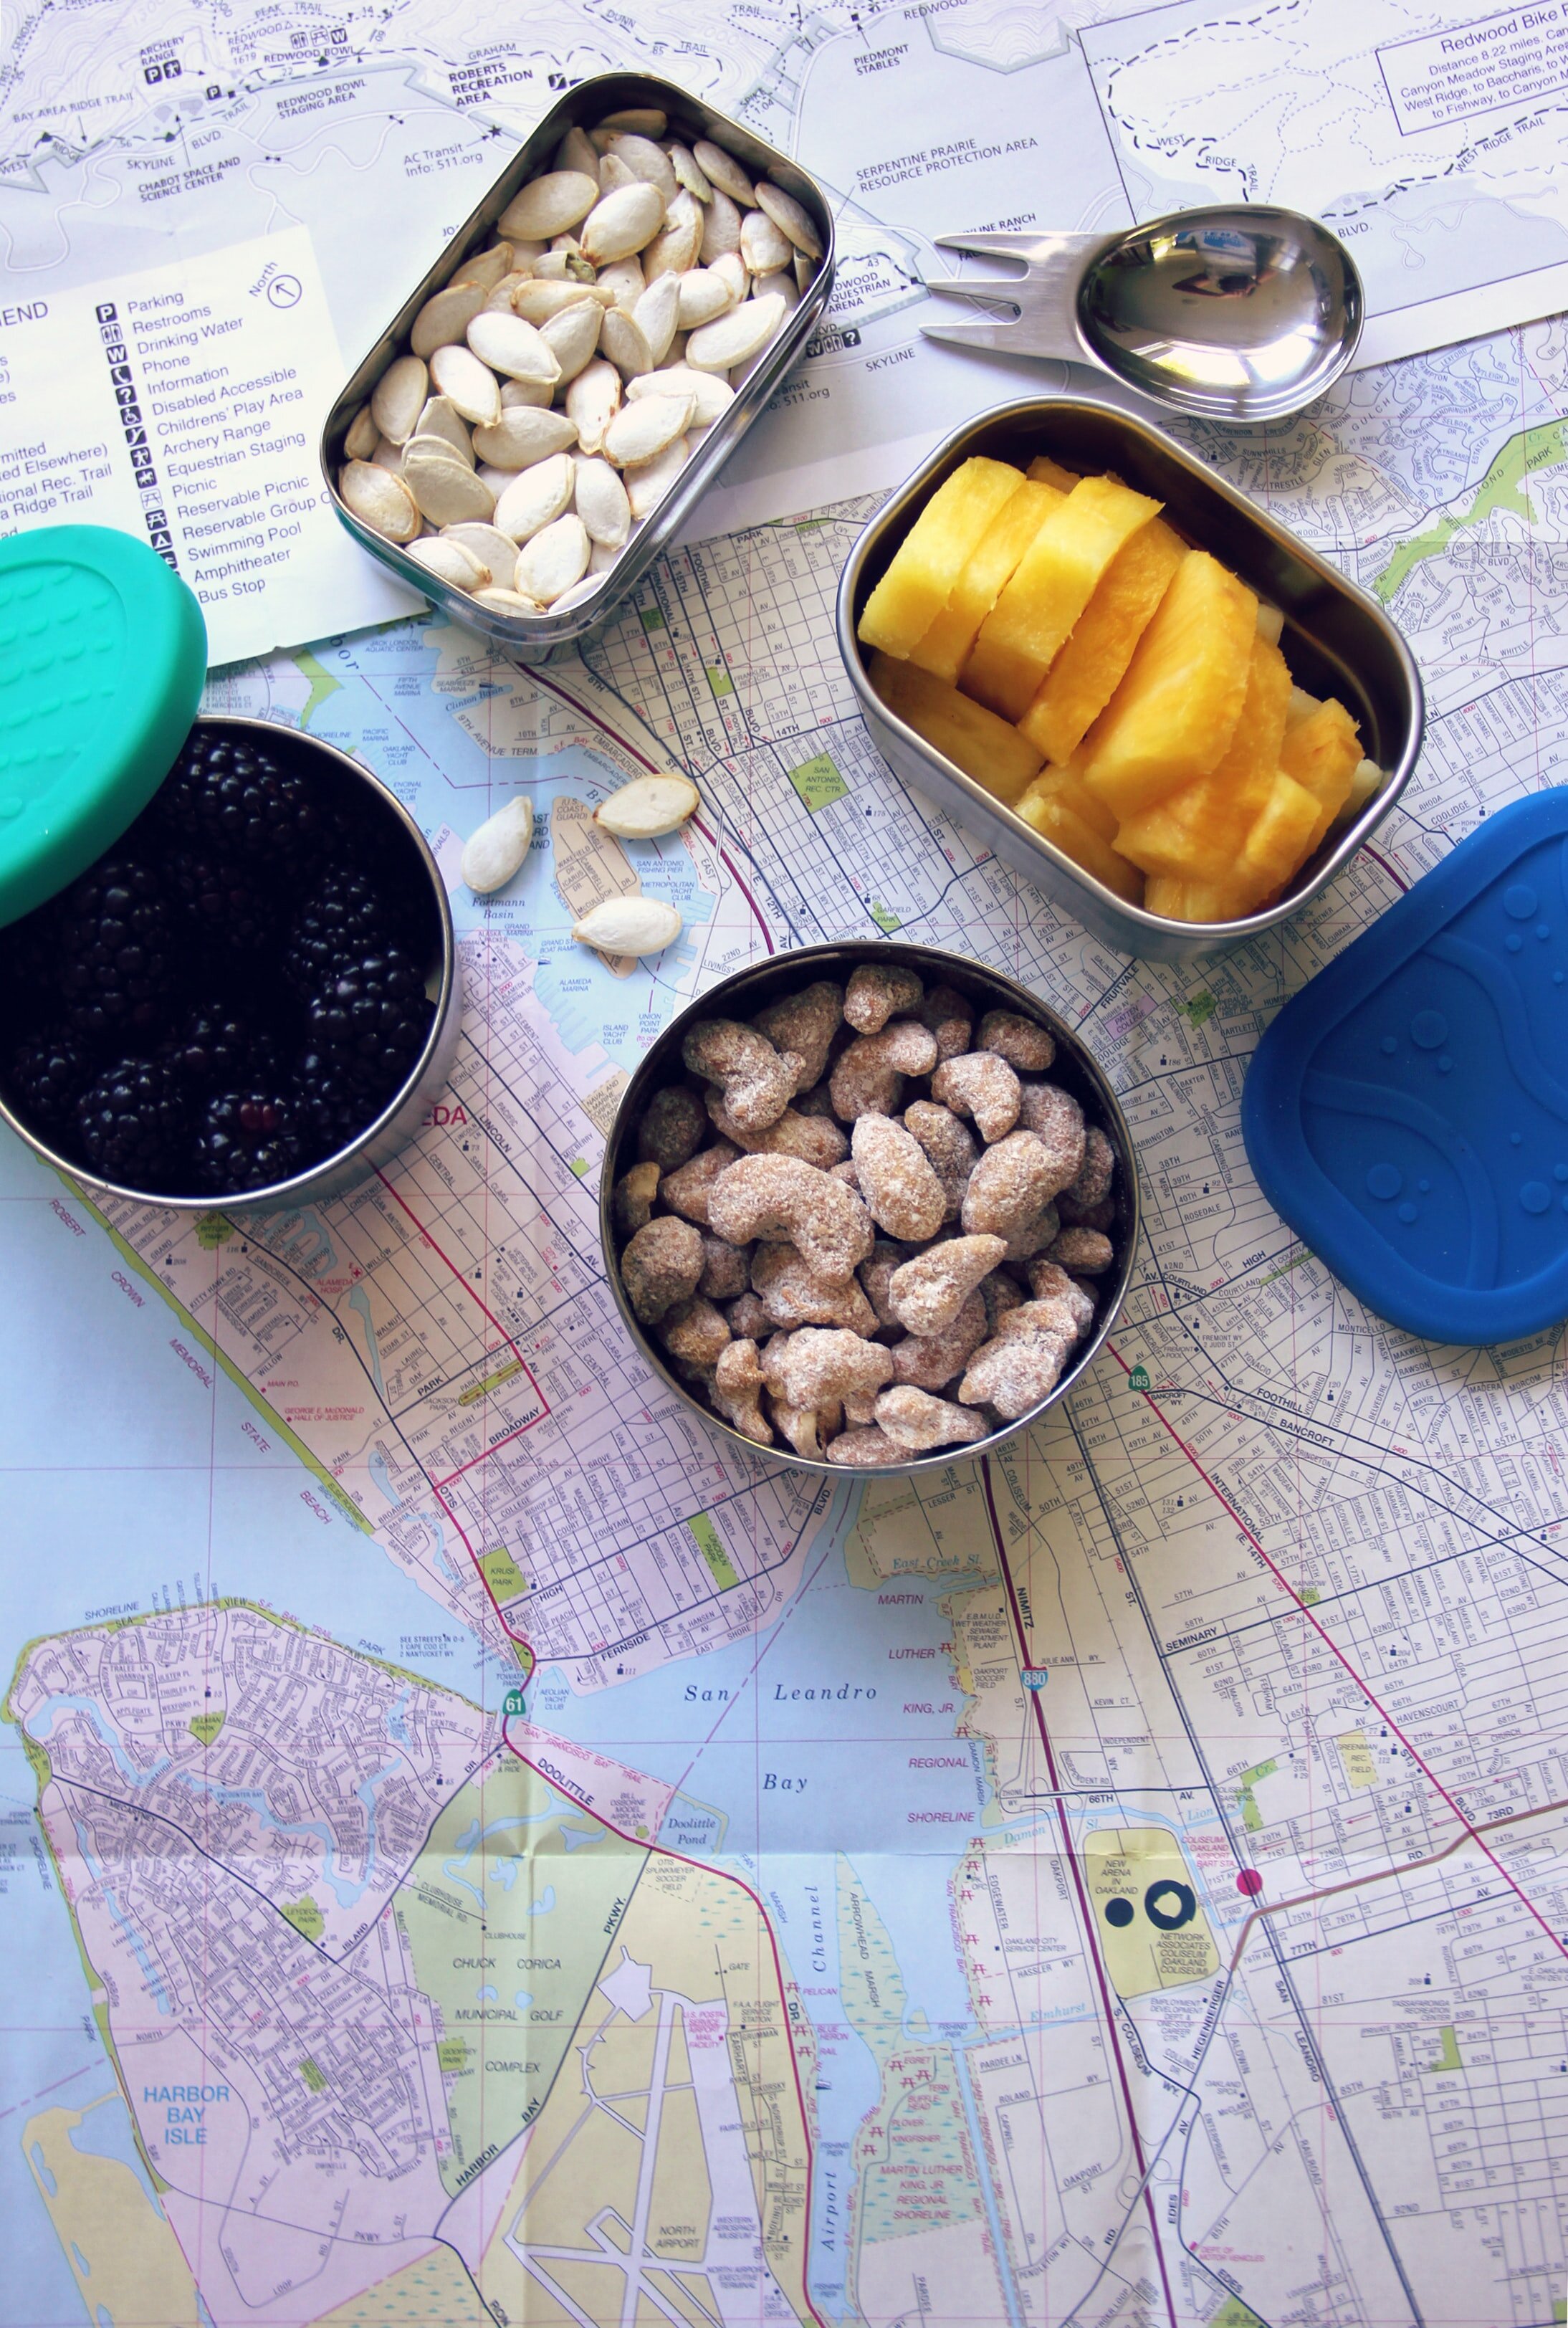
{"x": 102, "y": 656}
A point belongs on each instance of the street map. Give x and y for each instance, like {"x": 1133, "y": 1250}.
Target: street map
{"x": 473, "y": 1847}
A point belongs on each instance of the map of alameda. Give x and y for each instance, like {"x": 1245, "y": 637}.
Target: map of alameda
{"x": 474, "y": 1848}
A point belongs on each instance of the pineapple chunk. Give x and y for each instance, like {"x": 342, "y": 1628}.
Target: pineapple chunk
{"x": 946, "y": 645}
{"x": 1175, "y": 713}
{"x": 1302, "y": 707}
{"x": 1281, "y": 837}
{"x": 1023, "y": 634}
{"x": 1271, "y": 622}
{"x": 1365, "y": 785}
{"x": 974, "y": 739}
{"x": 1045, "y": 471}
{"x": 1194, "y": 832}
{"x": 1323, "y": 752}
{"x": 1090, "y": 668}
{"x": 909, "y": 596}
{"x": 1049, "y": 816}
{"x": 1066, "y": 785}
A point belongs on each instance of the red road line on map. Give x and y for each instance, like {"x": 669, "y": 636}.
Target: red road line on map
{"x": 553, "y": 687}
{"x": 487, "y": 1453}
{"x": 1283, "y": 1582}
{"x": 1091, "y": 1933}
{"x": 664, "y": 1851}
{"x": 1398, "y": 879}
{"x": 467, "y": 1287}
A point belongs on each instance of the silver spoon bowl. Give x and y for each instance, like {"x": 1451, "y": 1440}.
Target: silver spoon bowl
{"x": 1238, "y": 315}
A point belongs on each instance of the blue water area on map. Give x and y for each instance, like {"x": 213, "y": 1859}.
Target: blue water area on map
{"x": 105, "y": 2131}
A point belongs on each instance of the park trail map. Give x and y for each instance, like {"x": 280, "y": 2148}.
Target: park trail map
{"x": 475, "y": 1847}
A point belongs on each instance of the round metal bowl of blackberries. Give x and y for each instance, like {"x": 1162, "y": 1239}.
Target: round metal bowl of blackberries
{"x": 856, "y": 1311}
{"x": 251, "y": 999}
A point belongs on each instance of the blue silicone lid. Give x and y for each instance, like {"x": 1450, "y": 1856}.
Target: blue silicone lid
{"x": 102, "y": 655}
{"x": 1407, "y": 1112}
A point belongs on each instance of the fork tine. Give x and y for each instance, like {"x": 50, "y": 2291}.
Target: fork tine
{"x": 1004, "y": 291}
{"x": 991, "y": 245}
{"x": 997, "y": 336}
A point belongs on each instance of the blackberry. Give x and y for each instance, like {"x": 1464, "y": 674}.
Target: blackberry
{"x": 115, "y": 935}
{"x": 345, "y": 918}
{"x": 130, "y": 1119}
{"x": 220, "y": 902}
{"x": 330, "y": 1110}
{"x": 246, "y": 1138}
{"x": 371, "y": 1018}
{"x": 214, "y": 1048}
{"x": 48, "y": 1071}
{"x": 238, "y": 795}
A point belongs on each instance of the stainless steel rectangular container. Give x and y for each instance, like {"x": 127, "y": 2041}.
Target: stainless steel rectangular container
{"x": 533, "y": 639}
{"x": 1337, "y": 640}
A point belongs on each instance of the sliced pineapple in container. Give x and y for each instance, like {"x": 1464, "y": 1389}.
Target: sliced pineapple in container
{"x": 974, "y": 739}
{"x": 1174, "y": 714}
{"x": 1029, "y": 625}
{"x": 945, "y": 646}
{"x": 1197, "y": 830}
{"x": 911, "y": 594}
{"x": 1090, "y": 667}
{"x": 1049, "y": 815}
{"x": 1323, "y": 752}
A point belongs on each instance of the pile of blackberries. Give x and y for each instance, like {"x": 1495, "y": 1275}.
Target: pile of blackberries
{"x": 234, "y": 991}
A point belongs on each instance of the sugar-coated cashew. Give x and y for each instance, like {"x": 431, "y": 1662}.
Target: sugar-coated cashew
{"x": 792, "y": 1293}
{"x": 916, "y": 1420}
{"x": 805, "y": 1024}
{"x": 661, "y": 1266}
{"x": 817, "y": 1101}
{"x": 749, "y": 1320}
{"x": 686, "y": 1191}
{"x": 780, "y": 1198}
{"x": 847, "y": 1173}
{"x": 951, "y": 1146}
{"x": 1033, "y": 1236}
{"x": 815, "y": 1139}
{"x": 929, "y": 1360}
{"x": 949, "y": 1019}
{"x": 877, "y": 992}
{"x": 874, "y": 1275}
{"x": 1014, "y": 1373}
{"x": 1053, "y": 1316}
{"x": 726, "y": 1269}
{"x": 867, "y": 1448}
{"x": 808, "y": 1429}
{"x": 929, "y": 1292}
{"x": 1050, "y": 1281}
{"x": 738, "y": 1390}
{"x": 1088, "y": 1252}
{"x": 1054, "y": 1116}
{"x": 1009, "y": 1186}
{"x": 672, "y": 1128}
{"x": 902, "y": 1193}
{"x": 1091, "y": 1188}
{"x": 820, "y": 1364}
{"x": 980, "y": 1085}
{"x": 1021, "y": 1042}
{"x": 696, "y": 1331}
{"x": 633, "y": 1202}
{"x": 1002, "y": 1298}
{"x": 757, "y": 1082}
{"x": 868, "y": 1077}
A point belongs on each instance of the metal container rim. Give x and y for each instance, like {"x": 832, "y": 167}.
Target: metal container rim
{"x": 305, "y": 1185}
{"x": 1020, "y": 411}
{"x": 540, "y": 636}
{"x": 935, "y": 964}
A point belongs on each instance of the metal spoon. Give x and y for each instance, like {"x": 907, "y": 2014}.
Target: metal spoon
{"x": 1239, "y": 314}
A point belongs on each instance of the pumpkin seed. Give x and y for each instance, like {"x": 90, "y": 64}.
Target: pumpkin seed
{"x": 655, "y": 316}
{"x": 492, "y": 855}
{"x": 643, "y": 159}
{"x": 450, "y": 562}
{"x": 730, "y": 268}
{"x": 703, "y": 294}
{"x": 635, "y": 925}
{"x": 536, "y": 497}
{"x": 676, "y": 248}
{"x": 507, "y": 344}
{"x": 470, "y": 385}
{"x": 442, "y": 321}
{"x": 640, "y": 431}
{"x": 765, "y": 247}
{"x": 379, "y": 500}
{"x": 689, "y": 172}
{"x": 649, "y": 807}
{"x": 554, "y": 559}
{"x": 623, "y": 281}
{"x": 496, "y": 551}
{"x": 486, "y": 267}
{"x": 647, "y": 485}
{"x": 633, "y": 120}
{"x": 602, "y": 504}
{"x": 523, "y": 434}
{"x": 710, "y": 394}
{"x": 623, "y": 222}
{"x": 572, "y": 337}
{"x": 791, "y": 218}
{"x": 537, "y": 300}
{"x": 593, "y": 401}
{"x": 507, "y": 602}
{"x": 737, "y": 337}
{"x": 624, "y": 341}
{"x": 548, "y": 205}
{"x": 399, "y": 398}
{"x": 577, "y": 152}
{"x": 359, "y": 441}
{"x": 444, "y": 488}
{"x": 724, "y": 172}
{"x": 531, "y": 392}
{"x": 615, "y": 172}
{"x": 721, "y": 228}
{"x": 442, "y": 418}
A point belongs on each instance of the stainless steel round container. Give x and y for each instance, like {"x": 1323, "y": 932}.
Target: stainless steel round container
{"x": 398, "y": 1120}
{"x": 749, "y": 991}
